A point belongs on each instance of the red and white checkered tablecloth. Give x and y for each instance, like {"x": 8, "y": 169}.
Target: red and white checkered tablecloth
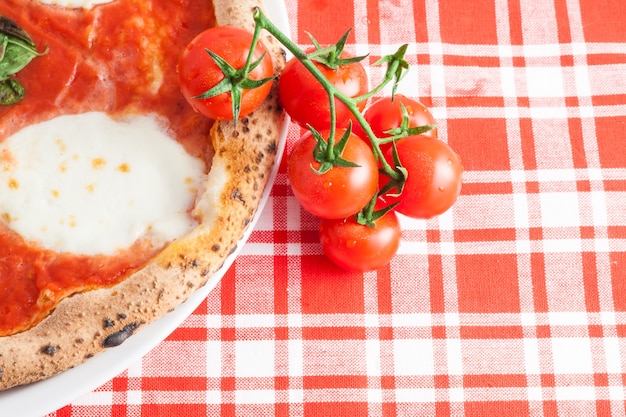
{"x": 511, "y": 304}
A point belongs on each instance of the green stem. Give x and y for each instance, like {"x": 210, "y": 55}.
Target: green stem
{"x": 262, "y": 22}
{"x": 386, "y": 80}
{"x": 333, "y": 122}
{"x": 255, "y": 39}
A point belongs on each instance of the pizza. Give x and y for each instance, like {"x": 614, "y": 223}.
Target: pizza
{"x": 117, "y": 199}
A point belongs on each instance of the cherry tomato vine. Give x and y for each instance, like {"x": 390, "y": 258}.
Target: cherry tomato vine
{"x": 357, "y": 166}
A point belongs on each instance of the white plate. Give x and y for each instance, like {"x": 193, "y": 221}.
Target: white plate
{"x": 46, "y": 396}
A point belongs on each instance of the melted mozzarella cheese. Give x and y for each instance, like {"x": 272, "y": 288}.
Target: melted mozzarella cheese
{"x": 90, "y": 184}
{"x": 75, "y": 4}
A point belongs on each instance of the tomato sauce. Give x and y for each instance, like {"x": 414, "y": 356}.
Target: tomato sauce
{"x": 119, "y": 58}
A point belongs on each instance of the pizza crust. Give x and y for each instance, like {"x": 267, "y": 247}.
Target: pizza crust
{"x": 85, "y": 324}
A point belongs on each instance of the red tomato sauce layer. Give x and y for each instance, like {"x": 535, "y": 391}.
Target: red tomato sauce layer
{"x": 102, "y": 59}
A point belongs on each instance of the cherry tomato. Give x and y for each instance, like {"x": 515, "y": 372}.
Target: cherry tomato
{"x": 306, "y": 101}
{"x": 434, "y": 177}
{"x": 356, "y": 247}
{"x": 385, "y": 114}
{"x": 340, "y": 192}
{"x": 198, "y": 72}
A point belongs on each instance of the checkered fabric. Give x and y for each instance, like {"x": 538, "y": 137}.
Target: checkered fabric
{"x": 513, "y": 303}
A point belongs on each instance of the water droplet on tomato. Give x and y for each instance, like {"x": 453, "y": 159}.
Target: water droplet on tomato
{"x": 193, "y": 74}
{"x": 327, "y": 184}
{"x": 350, "y": 243}
{"x": 442, "y": 188}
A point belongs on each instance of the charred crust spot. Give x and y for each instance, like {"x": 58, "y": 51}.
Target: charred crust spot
{"x": 1, "y": 373}
{"x": 247, "y": 169}
{"x": 79, "y": 341}
{"x": 107, "y": 322}
{"x": 49, "y": 350}
{"x": 236, "y": 195}
{"x": 89, "y": 356}
{"x": 121, "y": 316}
{"x": 216, "y": 247}
{"x": 259, "y": 157}
{"x": 195, "y": 263}
{"x": 271, "y": 148}
{"x": 119, "y": 337}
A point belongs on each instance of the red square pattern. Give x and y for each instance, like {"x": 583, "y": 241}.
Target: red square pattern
{"x": 314, "y": 16}
{"x": 469, "y": 23}
{"x": 497, "y": 408}
{"x": 173, "y": 383}
{"x": 421, "y": 24}
{"x": 563, "y": 22}
{"x": 334, "y": 381}
{"x": 618, "y": 272}
{"x": 503, "y": 188}
{"x": 610, "y": 133}
{"x": 188, "y": 333}
{"x": 487, "y": 283}
{"x": 482, "y": 143}
{"x": 323, "y": 292}
{"x": 333, "y": 333}
{"x": 612, "y": 14}
{"x": 543, "y": 332}
{"x": 494, "y": 381}
{"x": 64, "y": 412}
{"x": 335, "y": 409}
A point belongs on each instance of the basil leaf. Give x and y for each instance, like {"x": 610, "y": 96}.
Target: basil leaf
{"x": 11, "y": 92}
{"x": 17, "y": 49}
{"x": 17, "y": 54}
{"x": 10, "y": 28}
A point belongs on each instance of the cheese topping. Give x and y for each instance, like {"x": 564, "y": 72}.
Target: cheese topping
{"x": 75, "y": 4}
{"x": 91, "y": 184}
